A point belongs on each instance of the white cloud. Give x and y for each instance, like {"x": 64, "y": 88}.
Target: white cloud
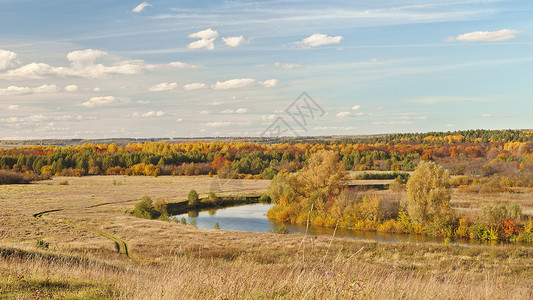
{"x": 344, "y": 114}
{"x": 32, "y": 71}
{"x": 152, "y": 114}
{"x": 206, "y": 39}
{"x": 214, "y": 103}
{"x": 47, "y": 88}
{"x": 335, "y": 128}
{"x": 82, "y": 64}
{"x": 236, "y": 111}
{"x": 356, "y": 107}
{"x": 269, "y": 83}
{"x": 12, "y": 107}
{"x": 319, "y": 39}
{"x": 194, "y": 86}
{"x": 204, "y": 112}
{"x": 234, "y": 41}
{"x": 84, "y": 57}
{"x": 99, "y": 101}
{"x": 206, "y": 34}
{"x": 143, "y": 102}
{"x": 7, "y": 59}
{"x": 179, "y": 120}
{"x": 182, "y": 65}
{"x": 243, "y": 83}
{"x": 495, "y": 116}
{"x": 164, "y": 86}
{"x": 139, "y": 8}
{"x": 411, "y": 118}
{"x": 218, "y": 124}
{"x": 393, "y": 123}
{"x": 287, "y": 66}
{"x": 19, "y": 91}
{"x": 199, "y": 44}
{"x": 269, "y": 117}
{"x": 487, "y": 36}
{"x": 445, "y": 99}
{"x": 97, "y": 89}
{"x": 15, "y": 91}
{"x": 71, "y": 88}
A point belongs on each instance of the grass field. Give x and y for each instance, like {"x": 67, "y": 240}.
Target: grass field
{"x": 84, "y": 221}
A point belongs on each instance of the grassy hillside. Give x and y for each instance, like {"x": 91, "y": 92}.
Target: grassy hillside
{"x": 82, "y": 222}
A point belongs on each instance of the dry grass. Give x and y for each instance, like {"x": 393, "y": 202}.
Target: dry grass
{"x": 174, "y": 261}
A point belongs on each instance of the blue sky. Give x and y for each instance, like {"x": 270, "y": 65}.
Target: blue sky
{"x": 97, "y": 69}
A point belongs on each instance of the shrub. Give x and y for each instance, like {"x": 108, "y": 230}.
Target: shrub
{"x": 400, "y": 177}
{"x": 145, "y": 209}
{"x": 282, "y": 229}
{"x": 478, "y": 231}
{"x": 495, "y": 215}
{"x": 160, "y": 205}
{"x": 217, "y": 225}
{"x": 391, "y": 226}
{"x": 164, "y": 216}
{"x": 491, "y": 186}
{"x": 211, "y": 198}
{"x": 474, "y": 188}
{"x": 523, "y": 237}
{"x": 515, "y": 212}
{"x": 265, "y": 199}
{"x": 41, "y": 244}
{"x": 396, "y": 186}
{"x": 440, "y": 226}
{"x": 64, "y": 182}
{"x": 460, "y": 180}
{"x": 193, "y": 198}
{"x": 193, "y": 223}
{"x": 7, "y": 177}
{"x": 462, "y": 230}
{"x": 404, "y": 221}
{"x": 183, "y": 221}
{"x": 366, "y": 225}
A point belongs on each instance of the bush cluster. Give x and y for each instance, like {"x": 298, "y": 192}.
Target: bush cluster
{"x": 148, "y": 210}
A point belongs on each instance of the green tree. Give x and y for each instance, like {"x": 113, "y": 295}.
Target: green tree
{"x": 428, "y": 192}
{"x": 145, "y": 209}
{"x": 193, "y": 198}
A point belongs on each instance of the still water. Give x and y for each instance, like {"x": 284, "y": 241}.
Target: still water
{"x": 253, "y": 218}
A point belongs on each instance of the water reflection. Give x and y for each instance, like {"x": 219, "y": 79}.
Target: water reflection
{"x": 253, "y": 218}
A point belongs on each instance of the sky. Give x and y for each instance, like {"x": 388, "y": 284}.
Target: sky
{"x": 125, "y": 68}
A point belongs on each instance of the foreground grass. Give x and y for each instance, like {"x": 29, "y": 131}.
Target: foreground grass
{"x": 174, "y": 261}
{"x": 347, "y": 270}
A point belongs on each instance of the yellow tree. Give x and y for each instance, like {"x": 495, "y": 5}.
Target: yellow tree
{"x": 428, "y": 192}
{"x": 325, "y": 174}
{"x": 324, "y": 178}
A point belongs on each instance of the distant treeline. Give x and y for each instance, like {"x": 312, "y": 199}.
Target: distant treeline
{"x": 400, "y": 152}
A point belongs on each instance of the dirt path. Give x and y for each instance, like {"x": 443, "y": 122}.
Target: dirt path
{"x": 121, "y": 245}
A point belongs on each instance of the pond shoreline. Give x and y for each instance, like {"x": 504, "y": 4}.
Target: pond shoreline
{"x": 178, "y": 208}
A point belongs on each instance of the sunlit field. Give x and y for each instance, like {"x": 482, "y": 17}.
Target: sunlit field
{"x": 166, "y": 260}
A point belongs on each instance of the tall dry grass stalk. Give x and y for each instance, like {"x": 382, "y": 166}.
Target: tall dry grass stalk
{"x": 194, "y": 276}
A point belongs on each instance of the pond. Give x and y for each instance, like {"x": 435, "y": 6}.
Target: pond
{"x": 253, "y": 218}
